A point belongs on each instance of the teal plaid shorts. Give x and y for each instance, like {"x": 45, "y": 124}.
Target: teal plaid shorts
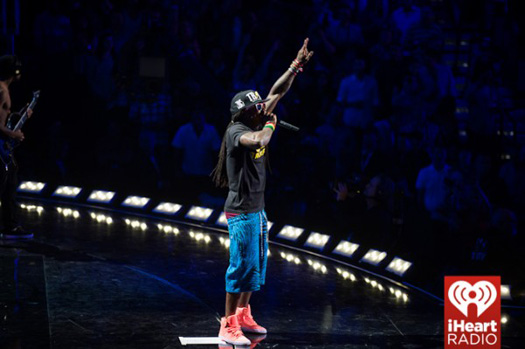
{"x": 248, "y": 252}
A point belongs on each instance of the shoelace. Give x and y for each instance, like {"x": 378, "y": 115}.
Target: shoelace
{"x": 235, "y": 331}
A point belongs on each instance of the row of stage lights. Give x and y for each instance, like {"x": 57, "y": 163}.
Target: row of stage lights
{"x": 315, "y": 240}
{"x": 290, "y": 233}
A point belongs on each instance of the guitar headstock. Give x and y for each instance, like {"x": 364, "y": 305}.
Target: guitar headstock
{"x": 36, "y": 94}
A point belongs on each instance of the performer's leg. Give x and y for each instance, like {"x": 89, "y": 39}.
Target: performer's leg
{"x": 232, "y": 301}
{"x": 8, "y": 199}
{"x": 244, "y": 300}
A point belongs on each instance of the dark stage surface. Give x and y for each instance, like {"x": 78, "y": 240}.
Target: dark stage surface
{"x": 84, "y": 283}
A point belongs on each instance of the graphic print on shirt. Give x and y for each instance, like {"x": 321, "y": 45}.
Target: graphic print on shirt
{"x": 258, "y": 153}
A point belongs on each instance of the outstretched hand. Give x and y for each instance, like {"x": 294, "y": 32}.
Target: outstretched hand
{"x": 303, "y": 56}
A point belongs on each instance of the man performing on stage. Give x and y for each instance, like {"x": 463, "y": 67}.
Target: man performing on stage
{"x": 10, "y": 71}
{"x": 242, "y": 168}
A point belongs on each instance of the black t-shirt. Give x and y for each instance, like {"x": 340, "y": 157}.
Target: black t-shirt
{"x": 246, "y": 171}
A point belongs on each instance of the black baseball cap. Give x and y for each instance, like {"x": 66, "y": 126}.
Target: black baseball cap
{"x": 244, "y": 100}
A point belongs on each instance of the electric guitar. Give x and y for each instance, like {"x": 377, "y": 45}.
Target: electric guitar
{"x": 15, "y": 121}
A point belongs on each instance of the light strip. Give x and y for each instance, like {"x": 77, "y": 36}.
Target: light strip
{"x": 318, "y": 266}
{"x": 317, "y": 240}
{"x": 505, "y": 292}
{"x": 373, "y": 257}
{"x": 167, "y": 208}
{"x": 398, "y": 266}
{"x": 346, "y": 274}
{"x": 100, "y": 218}
{"x": 101, "y": 196}
{"x": 198, "y": 236}
{"x": 290, "y": 258}
{"x": 135, "y": 224}
{"x": 67, "y": 212}
{"x": 291, "y": 233}
{"x": 31, "y": 187}
{"x": 199, "y": 213}
{"x": 168, "y": 229}
{"x": 67, "y": 191}
{"x": 346, "y": 248}
{"x": 32, "y": 208}
{"x": 135, "y": 201}
{"x": 222, "y": 221}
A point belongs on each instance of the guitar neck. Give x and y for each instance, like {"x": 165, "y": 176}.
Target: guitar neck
{"x": 24, "y": 116}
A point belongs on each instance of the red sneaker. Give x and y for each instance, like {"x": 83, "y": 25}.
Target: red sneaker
{"x": 246, "y": 321}
{"x": 230, "y": 331}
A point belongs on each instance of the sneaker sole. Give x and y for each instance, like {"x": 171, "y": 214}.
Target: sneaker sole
{"x": 233, "y": 342}
{"x": 249, "y": 330}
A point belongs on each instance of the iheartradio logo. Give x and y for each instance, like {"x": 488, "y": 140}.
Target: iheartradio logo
{"x": 472, "y": 312}
{"x": 461, "y": 294}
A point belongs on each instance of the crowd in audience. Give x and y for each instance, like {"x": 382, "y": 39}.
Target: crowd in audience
{"x": 409, "y": 111}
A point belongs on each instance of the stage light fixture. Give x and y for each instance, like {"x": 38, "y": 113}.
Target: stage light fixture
{"x": 167, "y": 208}
{"x": 222, "y": 221}
{"x": 317, "y": 240}
{"x": 67, "y": 191}
{"x": 199, "y": 213}
{"x": 290, "y": 233}
{"x": 398, "y": 266}
{"x": 346, "y": 248}
{"x": 135, "y": 201}
{"x": 101, "y": 196}
{"x": 373, "y": 257}
{"x": 31, "y": 187}
{"x": 505, "y": 292}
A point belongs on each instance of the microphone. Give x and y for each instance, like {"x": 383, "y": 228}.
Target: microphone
{"x": 287, "y": 126}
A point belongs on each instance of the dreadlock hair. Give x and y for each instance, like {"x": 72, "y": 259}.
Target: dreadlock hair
{"x": 219, "y": 175}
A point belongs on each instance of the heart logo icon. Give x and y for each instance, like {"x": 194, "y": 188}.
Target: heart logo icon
{"x": 461, "y": 294}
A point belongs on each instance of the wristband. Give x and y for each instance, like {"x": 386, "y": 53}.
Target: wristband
{"x": 270, "y": 125}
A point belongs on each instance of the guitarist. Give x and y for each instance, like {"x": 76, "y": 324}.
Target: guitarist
{"x": 10, "y": 71}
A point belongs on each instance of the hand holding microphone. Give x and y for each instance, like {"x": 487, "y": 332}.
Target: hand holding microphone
{"x": 272, "y": 118}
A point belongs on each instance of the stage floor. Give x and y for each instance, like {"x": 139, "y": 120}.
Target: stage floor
{"x": 85, "y": 283}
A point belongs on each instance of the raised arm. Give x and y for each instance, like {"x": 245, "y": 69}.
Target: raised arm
{"x": 282, "y": 85}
